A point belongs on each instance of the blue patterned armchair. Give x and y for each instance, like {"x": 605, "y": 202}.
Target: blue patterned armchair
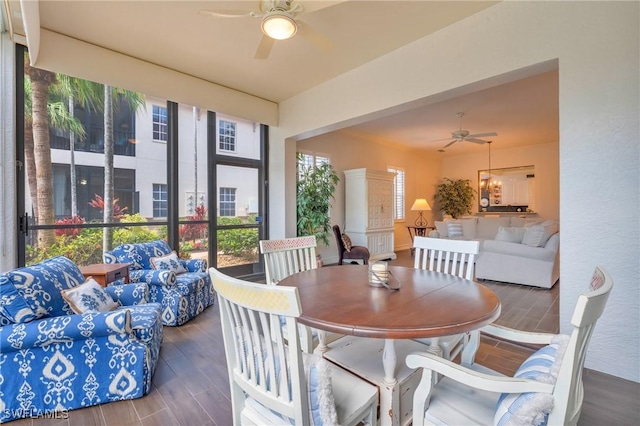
{"x": 183, "y": 295}
{"x": 52, "y": 359}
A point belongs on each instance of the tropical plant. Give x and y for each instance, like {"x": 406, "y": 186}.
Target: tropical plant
{"x": 116, "y": 211}
{"x": 315, "y": 187}
{"x": 455, "y": 196}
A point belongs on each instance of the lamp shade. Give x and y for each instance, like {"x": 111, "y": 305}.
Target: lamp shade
{"x": 279, "y": 25}
{"x": 421, "y": 205}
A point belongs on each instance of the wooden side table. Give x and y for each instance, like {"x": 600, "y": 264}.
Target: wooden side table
{"x": 105, "y": 273}
{"x": 417, "y": 231}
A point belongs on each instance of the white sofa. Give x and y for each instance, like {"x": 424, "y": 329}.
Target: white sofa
{"x": 512, "y": 249}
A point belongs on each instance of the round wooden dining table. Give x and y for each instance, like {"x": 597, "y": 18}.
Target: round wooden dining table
{"x": 428, "y": 304}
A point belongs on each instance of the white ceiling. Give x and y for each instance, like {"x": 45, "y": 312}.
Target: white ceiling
{"x": 220, "y": 50}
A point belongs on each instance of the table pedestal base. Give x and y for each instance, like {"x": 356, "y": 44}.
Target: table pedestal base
{"x": 372, "y": 359}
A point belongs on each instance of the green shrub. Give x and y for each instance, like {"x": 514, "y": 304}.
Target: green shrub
{"x": 237, "y": 242}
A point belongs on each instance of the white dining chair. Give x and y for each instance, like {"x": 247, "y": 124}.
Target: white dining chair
{"x": 453, "y": 257}
{"x": 548, "y": 383}
{"x": 287, "y": 256}
{"x": 276, "y": 383}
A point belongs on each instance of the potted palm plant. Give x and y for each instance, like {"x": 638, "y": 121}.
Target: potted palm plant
{"x": 455, "y": 196}
{"x": 314, "y": 191}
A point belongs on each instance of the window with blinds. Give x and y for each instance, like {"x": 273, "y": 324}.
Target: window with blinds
{"x": 398, "y": 192}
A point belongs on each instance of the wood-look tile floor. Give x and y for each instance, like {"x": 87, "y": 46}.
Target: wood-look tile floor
{"x": 191, "y": 385}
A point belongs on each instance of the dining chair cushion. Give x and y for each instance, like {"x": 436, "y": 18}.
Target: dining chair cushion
{"x": 169, "y": 262}
{"x": 322, "y": 404}
{"x": 346, "y": 240}
{"x": 533, "y": 408}
{"x": 321, "y": 400}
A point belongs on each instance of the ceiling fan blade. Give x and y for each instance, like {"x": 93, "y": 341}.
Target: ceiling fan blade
{"x": 481, "y": 135}
{"x": 225, "y": 13}
{"x": 474, "y": 140}
{"x": 437, "y": 140}
{"x": 449, "y": 144}
{"x": 264, "y": 48}
{"x": 319, "y": 40}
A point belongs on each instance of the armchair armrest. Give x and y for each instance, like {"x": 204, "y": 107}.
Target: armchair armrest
{"x": 129, "y": 294}
{"x": 432, "y": 364}
{"x": 161, "y": 277}
{"x": 488, "y": 382}
{"x": 67, "y": 328}
{"x": 194, "y": 265}
{"x": 517, "y": 335}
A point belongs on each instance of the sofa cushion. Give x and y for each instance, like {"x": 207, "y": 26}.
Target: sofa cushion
{"x": 89, "y": 297}
{"x": 538, "y": 235}
{"x": 469, "y": 226}
{"x": 169, "y": 262}
{"x": 510, "y": 234}
{"x": 487, "y": 227}
{"x": 519, "y": 250}
{"x": 37, "y": 288}
{"x": 521, "y": 222}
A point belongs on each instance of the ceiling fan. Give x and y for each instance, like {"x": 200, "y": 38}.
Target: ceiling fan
{"x": 462, "y": 135}
{"x": 279, "y": 22}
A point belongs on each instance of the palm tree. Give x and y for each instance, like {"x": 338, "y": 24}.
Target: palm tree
{"x": 135, "y": 101}
{"x": 41, "y": 80}
{"x": 87, "y": 94}
{"x": 57, "y": 117}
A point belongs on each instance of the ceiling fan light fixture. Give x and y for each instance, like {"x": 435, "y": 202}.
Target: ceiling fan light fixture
{"x": 279, "y": 25}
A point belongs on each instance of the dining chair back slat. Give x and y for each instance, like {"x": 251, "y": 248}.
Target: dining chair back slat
{"x": 453, "y": 257}
{"x": 288, "y": 256}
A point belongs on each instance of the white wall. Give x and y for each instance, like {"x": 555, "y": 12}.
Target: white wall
{"x": 597, "y": 48}
{"x": 347, "y": 152}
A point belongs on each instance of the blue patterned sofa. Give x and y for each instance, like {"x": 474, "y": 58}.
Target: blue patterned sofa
{"x": 52, "y": 359}
{"x": 182, "y": 295}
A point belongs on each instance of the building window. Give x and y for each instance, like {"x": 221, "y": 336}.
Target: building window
{"x": 227, "y": 136}
{"x": 159, "y": 200}
{"x": 227, "y": 202}
{"x": 159, "y": 123}
{"x": 398, "y": 192}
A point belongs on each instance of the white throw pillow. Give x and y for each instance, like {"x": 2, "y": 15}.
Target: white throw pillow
{"x": 454, "y": 228}
{"x": 89, "y": 297}
{"x": 442, "y": 228}
{"x": 169, "y": 261}
{"x": 538, "y": 235}
{"x": 510, "y": 234}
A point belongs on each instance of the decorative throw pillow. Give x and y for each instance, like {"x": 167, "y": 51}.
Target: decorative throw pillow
{"x": 441, "y": 226}
{"x": 454, "y": 228}
{"x": 169, "y": 262}
{"x": 538, "y": 235}
{"x": 347, "y": 242}
{"x": 533, "y": 408}
{"x": 510, "y": 234}
{"x": 89, "y": 297}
